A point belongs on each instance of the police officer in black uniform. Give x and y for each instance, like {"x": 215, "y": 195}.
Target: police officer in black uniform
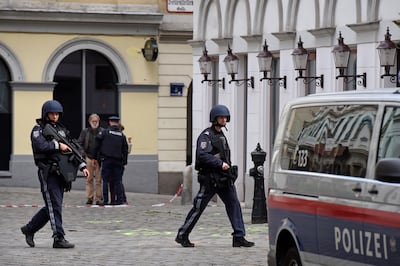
{"x": 216, "y": 175}
{"x": 46, "y": 153}
{"x": 112, "y": 151}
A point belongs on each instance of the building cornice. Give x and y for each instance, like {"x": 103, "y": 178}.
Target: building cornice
{"x": 223, "y": 42}
{"x": 32, "y": 86}
{"x": 364, "y": 27}
{"x": 175, "y": 36}
{"x": 285, "y": 35}
{"x": 80, "y": 23}
{"x": 323, "y": 32}
{"x": 147, "y": 88}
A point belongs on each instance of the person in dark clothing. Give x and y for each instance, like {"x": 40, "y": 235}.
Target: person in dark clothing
{"x": 112, "y": 150}
{"x": 48, "y": 155}
{"x": 87, "y": 140}
{"x": 216, "y": 175}
{"x": 113, "y": 198}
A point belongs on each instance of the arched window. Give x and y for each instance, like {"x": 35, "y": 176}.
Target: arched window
{"x": 86, "y": 83}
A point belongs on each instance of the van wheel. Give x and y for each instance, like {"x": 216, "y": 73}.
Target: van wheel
{"x": 292, "y": 258}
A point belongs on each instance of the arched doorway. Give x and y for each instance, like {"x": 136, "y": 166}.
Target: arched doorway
{"x": 86, "y": 83}
{"x": 5, "y": 116}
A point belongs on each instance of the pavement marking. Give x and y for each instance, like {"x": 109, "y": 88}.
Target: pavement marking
{"x": 64, "y": 206}
{"x": 20, "y": 206}
{"x": 143, "y": 232}
{"x": 105, "y": 221}
{"x": 177, "y": 193}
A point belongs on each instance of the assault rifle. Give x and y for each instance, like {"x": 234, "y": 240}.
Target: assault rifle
{"x": 68, "y": 162}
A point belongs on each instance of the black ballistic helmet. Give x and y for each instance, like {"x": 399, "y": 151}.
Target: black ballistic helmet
{"x": 219, "y": 110}
{"x": 51, "y": 106}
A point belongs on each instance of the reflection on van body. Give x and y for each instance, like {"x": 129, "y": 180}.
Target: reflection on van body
{"x": 334, "y": 183}
{"x": 329, "y": 139}
{"x": 389, "y": 144}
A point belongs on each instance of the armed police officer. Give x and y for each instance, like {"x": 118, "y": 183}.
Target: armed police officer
{"x": 57, "y": 167}
{"x": 216, "y": 175}
{"x": 111, "y": 150}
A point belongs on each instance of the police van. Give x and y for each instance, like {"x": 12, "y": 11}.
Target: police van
{"x": 334, "y": 184}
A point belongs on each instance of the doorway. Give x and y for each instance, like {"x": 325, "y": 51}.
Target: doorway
{"x": 5, "y": 117}
{"x": 86, "y": 83}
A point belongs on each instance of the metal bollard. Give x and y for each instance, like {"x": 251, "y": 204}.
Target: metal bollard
{"x": 259, "y": 212}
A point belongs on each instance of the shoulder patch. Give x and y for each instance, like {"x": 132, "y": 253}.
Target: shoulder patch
{"x": 207, "y": 132}
{"x": 203, "y": 145}
{"x": 36, "y": 133}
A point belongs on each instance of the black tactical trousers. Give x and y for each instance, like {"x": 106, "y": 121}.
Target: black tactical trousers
{"x": 53, "y": 192}
{"x": 232, "y": 206}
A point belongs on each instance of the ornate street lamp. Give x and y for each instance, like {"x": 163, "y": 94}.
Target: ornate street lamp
{"x": 205, "y": 64}
{"x": 300, "y": 57}
{"x": 265, "y": 65}
{"x": 387, "y": 54}
{"x": 232, "y": 66}
{"x": 341, "y": 55}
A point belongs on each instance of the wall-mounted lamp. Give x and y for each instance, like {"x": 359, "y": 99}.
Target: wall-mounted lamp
{"x": 387, "y": 54}
{"x": 232, "y": 65}
{"x": 341, "y": 55}
{"x": 205, "y": 64}
{"x": 150, "y": 50}
{"x": 265, "y": 65}
{"x": 300, "y": 57}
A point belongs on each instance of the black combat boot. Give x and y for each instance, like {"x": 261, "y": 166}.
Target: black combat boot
{"x": 60, "y": 242}
{"x": 184, "y": 241}
{"x": 241, "y": 242}
{"x": 28, "y": 236}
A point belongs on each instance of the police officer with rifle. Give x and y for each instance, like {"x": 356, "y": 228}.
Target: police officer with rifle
{"x": 58, "y": 159}
{"x": 216, "y": 175}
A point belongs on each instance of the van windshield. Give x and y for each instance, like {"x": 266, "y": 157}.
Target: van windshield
{"x": 332, "y": 139}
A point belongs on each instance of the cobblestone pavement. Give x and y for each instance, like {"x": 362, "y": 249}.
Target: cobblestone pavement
{"x": 141, "y": 233}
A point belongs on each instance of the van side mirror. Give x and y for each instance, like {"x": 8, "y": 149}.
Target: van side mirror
{"x": 388, "y": 170}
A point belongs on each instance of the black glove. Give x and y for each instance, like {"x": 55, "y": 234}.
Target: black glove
{"x": 68, "y": 187}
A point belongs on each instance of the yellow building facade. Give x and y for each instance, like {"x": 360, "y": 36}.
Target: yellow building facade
{"x": 88, "y": 55}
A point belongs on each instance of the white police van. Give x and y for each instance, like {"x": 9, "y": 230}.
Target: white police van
{"x": 334, "y": 184}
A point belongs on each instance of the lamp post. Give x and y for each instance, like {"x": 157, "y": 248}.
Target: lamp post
{"x": 232, "y": 66}
{"x": 265, "y": 65}
{"x": 387, "y": 54}
{"x": 300, "y": 58}
{"x": 341, "y": 55}
{"x": 205, "y": 64}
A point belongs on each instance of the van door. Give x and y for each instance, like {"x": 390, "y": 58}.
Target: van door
{"x": 381, "y": 232}
{"x": 340, "y": 218}
{"x": 344, "y": 154}
{"x": 382, "y": 196}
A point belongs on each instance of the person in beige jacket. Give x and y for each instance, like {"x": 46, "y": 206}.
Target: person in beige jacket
{"x": 87, "y": 141}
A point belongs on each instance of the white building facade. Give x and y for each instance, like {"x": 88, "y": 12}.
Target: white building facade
{"x": 244, "y": 26}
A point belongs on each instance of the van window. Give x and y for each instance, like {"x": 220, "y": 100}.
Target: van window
{"x": 389, "y": 139}
{"x": 332, "y": 139}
